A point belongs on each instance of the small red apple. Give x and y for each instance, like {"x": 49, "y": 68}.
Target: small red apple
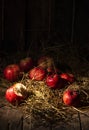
{"x": 71, "y": 97}
{"x": 54, "y": 81}
{"x": 37, "y": 73}
{"x": 11, "y": 72}
{"x": 26, "y": 64}
{"x": 16, "y": 93}
{"x": 45, "y": 62}
{"x": 68, "y": 77}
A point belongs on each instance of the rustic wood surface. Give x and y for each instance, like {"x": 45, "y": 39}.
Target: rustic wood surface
{"x": 12, "y": 118}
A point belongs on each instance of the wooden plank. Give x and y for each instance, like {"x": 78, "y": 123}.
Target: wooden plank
{"x": 10, "y": 119}
{"x": 85, "y": 121}
{"x": 13, "y": 119}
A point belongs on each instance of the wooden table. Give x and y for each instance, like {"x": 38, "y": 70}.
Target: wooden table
{"x": 13, "y": 119}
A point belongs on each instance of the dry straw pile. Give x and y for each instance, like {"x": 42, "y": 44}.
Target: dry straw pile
{"x": 45, "y": 105}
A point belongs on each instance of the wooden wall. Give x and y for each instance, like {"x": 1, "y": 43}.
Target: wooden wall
{"x": 27, "y": 21}
{"x": 39, "y": 20}
{"x": 12, "y": 28}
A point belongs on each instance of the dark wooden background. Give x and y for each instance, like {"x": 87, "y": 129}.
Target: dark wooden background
{"x": 23, "y": 22}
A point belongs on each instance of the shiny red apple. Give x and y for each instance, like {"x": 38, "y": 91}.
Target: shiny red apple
{"x": 16, "y": 93}
{"x": 71, "y": 97}
{"x": 26, "y": 64}
{"x": 11, "y": 72}
{"x": 54, "y": 81}
{"x": 37, "y": 73}
{"x": 68, "y": 77}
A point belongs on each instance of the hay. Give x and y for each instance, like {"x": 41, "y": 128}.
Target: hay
{"x": 45, "y": 105}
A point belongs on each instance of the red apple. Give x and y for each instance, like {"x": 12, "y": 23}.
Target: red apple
{"x": 45, "y": 62}
{"x": 26, "y": 64}
{"x": 11, "y": 72}
{"x": 71, "y": 97}
{"x": 37, "y": 73}
{"x": 68, "y": 77}
{"x": 16, "y": 93}
{"x": 54, "y": 81}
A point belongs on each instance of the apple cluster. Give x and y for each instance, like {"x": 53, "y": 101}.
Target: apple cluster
{"x": 44, "y": 70}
